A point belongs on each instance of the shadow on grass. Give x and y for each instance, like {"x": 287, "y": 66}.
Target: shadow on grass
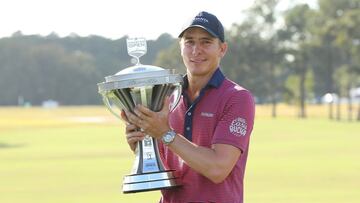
{"x": 6, "y": 146}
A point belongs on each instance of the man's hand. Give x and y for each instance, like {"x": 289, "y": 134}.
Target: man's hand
{"x": 133, "y": 134}
{"x": 152, "y": 123}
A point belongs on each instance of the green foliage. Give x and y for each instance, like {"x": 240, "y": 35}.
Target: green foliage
{"x": 335, "y": 38}
{"x": 292, "y": 83}
{"x": 171, "y": 58}
{"x": 63, "y": 69}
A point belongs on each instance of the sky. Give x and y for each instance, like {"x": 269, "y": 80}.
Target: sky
{"x": 112, "y": 18}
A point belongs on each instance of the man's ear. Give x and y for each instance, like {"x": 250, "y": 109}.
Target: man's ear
{"x": 223, "y": 48}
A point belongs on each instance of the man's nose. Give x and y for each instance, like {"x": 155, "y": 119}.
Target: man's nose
{"x": 196, "y": 49}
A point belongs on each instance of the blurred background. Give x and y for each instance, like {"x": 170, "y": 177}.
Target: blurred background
{"x": 306, "y": 53}
{"x": 299, "y": 58}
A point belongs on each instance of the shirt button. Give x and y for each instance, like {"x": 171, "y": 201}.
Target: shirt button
{"x": 189, "y": 113}
{"x": 187, "y": 128}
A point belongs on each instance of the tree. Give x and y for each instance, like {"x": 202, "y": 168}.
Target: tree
{"x": 267, "y": 17}
{"x": 297, "y": 39}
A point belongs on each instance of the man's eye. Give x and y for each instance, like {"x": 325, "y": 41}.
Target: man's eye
{"x": 189, "y": 42}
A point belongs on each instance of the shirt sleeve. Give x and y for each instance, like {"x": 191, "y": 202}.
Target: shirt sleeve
{"x": 236, "y": 120}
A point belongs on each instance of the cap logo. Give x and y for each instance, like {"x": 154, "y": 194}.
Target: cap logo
{"x": 202, "y": 20}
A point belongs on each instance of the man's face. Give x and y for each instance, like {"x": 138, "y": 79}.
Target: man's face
{"x": 201, "y": 52}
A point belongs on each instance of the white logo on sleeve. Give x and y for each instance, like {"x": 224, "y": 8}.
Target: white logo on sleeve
{"x": 238, "y": 127}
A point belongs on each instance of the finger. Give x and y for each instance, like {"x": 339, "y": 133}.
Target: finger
{"x": 135, "y": 136}
{"x": 144, "y": 111}
{"x": 123, "y": 116}
{"x": 131, "y": 128}
{"x": 134, "y": 119}
{"x": 140, "y": 114}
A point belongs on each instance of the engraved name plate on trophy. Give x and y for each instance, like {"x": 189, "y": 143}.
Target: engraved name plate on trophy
{"x": 147, "y": 85}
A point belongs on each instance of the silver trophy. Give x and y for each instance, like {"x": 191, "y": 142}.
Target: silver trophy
{"x": 146, "y": 85}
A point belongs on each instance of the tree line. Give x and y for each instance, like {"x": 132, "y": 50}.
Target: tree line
{"x": 295, "y": 56}
{"x": 67, "y": 70}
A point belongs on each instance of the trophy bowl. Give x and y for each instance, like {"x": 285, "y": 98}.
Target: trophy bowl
{"x": 146, "y": 85}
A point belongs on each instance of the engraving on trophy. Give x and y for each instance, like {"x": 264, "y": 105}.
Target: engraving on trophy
{"x": 149, "y": 156}
{"x": 149, "y": 86}
{"x": 136, "y": 48}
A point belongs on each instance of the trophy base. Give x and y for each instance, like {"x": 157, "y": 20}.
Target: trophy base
{"x": 149, "y": 181}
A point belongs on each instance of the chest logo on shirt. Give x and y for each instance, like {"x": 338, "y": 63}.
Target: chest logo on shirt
{"x": 207, "y": 114}
{"x": 238, "y": 127}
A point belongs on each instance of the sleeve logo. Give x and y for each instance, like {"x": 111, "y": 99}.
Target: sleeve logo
{"x": 238, "y": 127}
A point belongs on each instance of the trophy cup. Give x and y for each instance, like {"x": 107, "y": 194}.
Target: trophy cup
{"x": 147, "y": 85}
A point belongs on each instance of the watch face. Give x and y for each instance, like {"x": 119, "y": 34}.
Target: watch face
{"x": 166, "y": 138}
{"x": 169, "y": 137}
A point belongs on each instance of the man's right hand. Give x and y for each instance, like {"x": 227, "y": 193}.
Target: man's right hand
{"x": 133, "y": 134}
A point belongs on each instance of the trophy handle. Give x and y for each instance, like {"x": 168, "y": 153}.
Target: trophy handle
{"x": 108, "y": 106}
{"x": 176, "y": 102}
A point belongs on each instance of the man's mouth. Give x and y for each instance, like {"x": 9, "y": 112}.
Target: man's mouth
{"x": 197, "y": 60}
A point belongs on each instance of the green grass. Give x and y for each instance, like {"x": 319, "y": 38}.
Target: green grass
{"x": 57, "y": 160}
{"x": 312, "y": 160}
{"x": 48, "y": 156}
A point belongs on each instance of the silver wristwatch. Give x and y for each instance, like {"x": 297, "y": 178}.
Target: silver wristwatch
{"x": 168, "y": 137}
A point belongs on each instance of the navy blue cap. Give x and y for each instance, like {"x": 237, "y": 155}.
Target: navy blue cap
{"x": 208, "y": 22}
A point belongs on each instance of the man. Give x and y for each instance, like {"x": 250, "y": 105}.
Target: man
{"x": 206, "y": 137}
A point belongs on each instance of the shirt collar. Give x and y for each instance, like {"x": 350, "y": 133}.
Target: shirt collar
{"x": 215, "y": 81}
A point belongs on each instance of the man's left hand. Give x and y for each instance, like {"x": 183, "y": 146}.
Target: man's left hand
{"x": 155, "y": 124}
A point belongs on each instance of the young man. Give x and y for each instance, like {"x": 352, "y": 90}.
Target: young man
{"x": 206, "y": 137}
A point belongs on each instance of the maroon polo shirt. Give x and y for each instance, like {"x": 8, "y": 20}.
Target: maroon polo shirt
{"x": 222, "y": 114}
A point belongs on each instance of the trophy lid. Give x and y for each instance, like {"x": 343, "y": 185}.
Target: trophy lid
{"x": 138, "y": 71}
{"x": 139, "y": 75}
